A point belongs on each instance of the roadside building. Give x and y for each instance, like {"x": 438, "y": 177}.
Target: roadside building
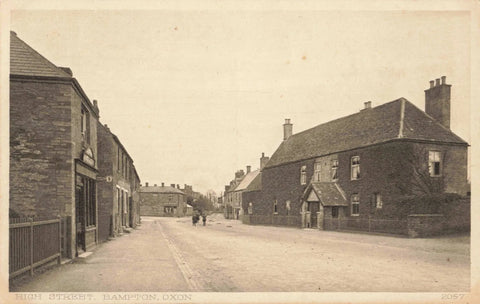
{"x": 53, "y": 146}
{"x": 162, "y": 201}
{"x": 117, "y": 182}
{"x": 239, "y": 191}
{"x": 362, "y": 166}
{"x": 232, "y": 199}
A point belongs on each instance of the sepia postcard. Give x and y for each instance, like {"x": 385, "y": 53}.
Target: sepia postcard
{"x": 239, "y": 151}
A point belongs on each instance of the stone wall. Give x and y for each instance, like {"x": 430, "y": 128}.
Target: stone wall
{"x": 423, "y": 225}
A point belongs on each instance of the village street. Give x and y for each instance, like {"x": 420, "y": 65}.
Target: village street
{"x": 169, "y": 254}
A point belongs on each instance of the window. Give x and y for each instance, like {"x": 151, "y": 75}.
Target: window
{"x": 250, "y": 208}
{"x": 303, "y": 175}
{"x": 287, "y": 207}
{"x": 275, "y": 207}
{"x": 334, "y": 211}
{"x": 85, "y": 124}
{"x": 355, "y": 168}
{"x": 378, "y": 200}
{"x": 355, "y": 202}
{"x": 317, "y": 172}
{"x": 334, "y": 169}
{"x": 434, "y": 163}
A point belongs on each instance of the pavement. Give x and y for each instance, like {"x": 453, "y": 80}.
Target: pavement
{"x": 169, "y": 254}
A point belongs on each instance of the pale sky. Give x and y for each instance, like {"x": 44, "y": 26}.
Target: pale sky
{"x": 195, "y": 95}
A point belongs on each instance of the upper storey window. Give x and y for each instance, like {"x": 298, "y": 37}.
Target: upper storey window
{"x": 355, "y": 167}
{"x": 85, "y": 125}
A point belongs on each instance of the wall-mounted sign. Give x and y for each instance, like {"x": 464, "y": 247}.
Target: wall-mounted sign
{"x": 87, "y": 157}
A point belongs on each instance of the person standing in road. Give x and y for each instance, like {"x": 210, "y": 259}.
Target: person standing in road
{"x": 204, "y": 219}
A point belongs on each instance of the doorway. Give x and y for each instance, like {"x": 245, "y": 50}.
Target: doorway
{"x": 313, "y": 208}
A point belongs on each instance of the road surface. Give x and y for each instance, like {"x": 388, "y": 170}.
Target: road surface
{"x": 169, "y": 254}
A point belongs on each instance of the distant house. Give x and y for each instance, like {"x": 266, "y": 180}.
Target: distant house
{"x": 239, "y": 191}
{"x": 53, "y": 147}
{"x": 232, "y": 198}
{"x": 361, "y": 166}
{"x": 117, "y": 183}
{"x": 162, "y": 201}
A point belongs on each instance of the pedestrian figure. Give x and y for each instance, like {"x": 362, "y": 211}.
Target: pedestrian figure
{"x": 204, "y": 219}
{"x": 194, "y": 222}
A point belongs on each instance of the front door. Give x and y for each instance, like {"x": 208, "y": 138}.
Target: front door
{"x": 80, "y": 216}
{"x": 313, "y": 207}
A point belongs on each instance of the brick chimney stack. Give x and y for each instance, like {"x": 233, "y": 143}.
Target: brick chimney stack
{"x": 249, "y": 168}
{"x": 263, "y": 161}
{"x": 163, "y": 184}
{"x": 287, "y": 129}
{"x": 146, "y": 184}
{"x": 437, "y": 101}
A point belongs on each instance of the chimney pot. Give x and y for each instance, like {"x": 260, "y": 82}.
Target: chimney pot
{"x": 172, "y": 185}
{"x": 437, "y": 82}
{"x": 444, "y": 78}
{"x": 146, "y": 184}
{"x": 368, "y": 104}
{"x": 154, "y": 185}
{"x": 178, "y": 186}
{"x": 432, "y": 83}
{"x": 163, "y": 184}
{"x": 248, "y": 169}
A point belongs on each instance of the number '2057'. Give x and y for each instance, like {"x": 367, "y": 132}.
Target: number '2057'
{"x": 452, "y": 296}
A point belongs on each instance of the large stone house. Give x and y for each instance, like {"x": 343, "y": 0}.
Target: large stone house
{"x": 118, "y": 181}
{"x": 53, "y": 146}
{"x": 162, "y": 201}
{"x": 361, "y": 166}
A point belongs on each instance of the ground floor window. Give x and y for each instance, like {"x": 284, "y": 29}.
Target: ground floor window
{"x": 378, "y": 200}
{"x": 86, "y": 200}
{"x": 355, "y": 202}
{"x": 275, "y": 207}
{"x": 169, "y": 210}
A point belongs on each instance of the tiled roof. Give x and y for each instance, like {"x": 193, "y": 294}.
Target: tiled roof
{"x": 256, "y": 183}
{"x": 330, "y": 194}
{"x": 160, "y": 189}
{"x": 370, "y": 126}
{"x": 25, "y": 61}
{"x": 247, "y": 180}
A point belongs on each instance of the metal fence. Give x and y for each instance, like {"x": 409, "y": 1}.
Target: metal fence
{"x": 276, "y": 220}
{"x": 33, "y": 243}
{"x": 395, "y": 226}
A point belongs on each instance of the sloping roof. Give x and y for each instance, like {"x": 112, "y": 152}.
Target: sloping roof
{"x": 255, "y": 184}
{"x": 247, "y": 180}
{"x": 160, "y": 189}
{"x": 330, "y": 193}
{"x": 24, "y": 60}
{"x": 398, "y": 119}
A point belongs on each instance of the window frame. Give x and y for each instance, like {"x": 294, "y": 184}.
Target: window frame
{"x": 334, "y": 169}
{"x": 377, "y": 199}
{"x": 355, "y": 201}
{"x": 355, "y": 167}
{"x": 303, "y": 175}
{"x": 317, "y": 171}
{"x": 431, "y": 169}
{"x": 275, "y": 207}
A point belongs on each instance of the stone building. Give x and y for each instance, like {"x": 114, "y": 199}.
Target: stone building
{"x": 53, "y": 146}
{"x": 237, "y": 193}
{"x": 360, "y": 167}
{"x": 118, "y": 181}
{"x": 162, "y": 201}
{"x": 231, "y": 199}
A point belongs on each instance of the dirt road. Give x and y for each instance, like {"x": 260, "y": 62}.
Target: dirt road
{"x": 169, "y": 254}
